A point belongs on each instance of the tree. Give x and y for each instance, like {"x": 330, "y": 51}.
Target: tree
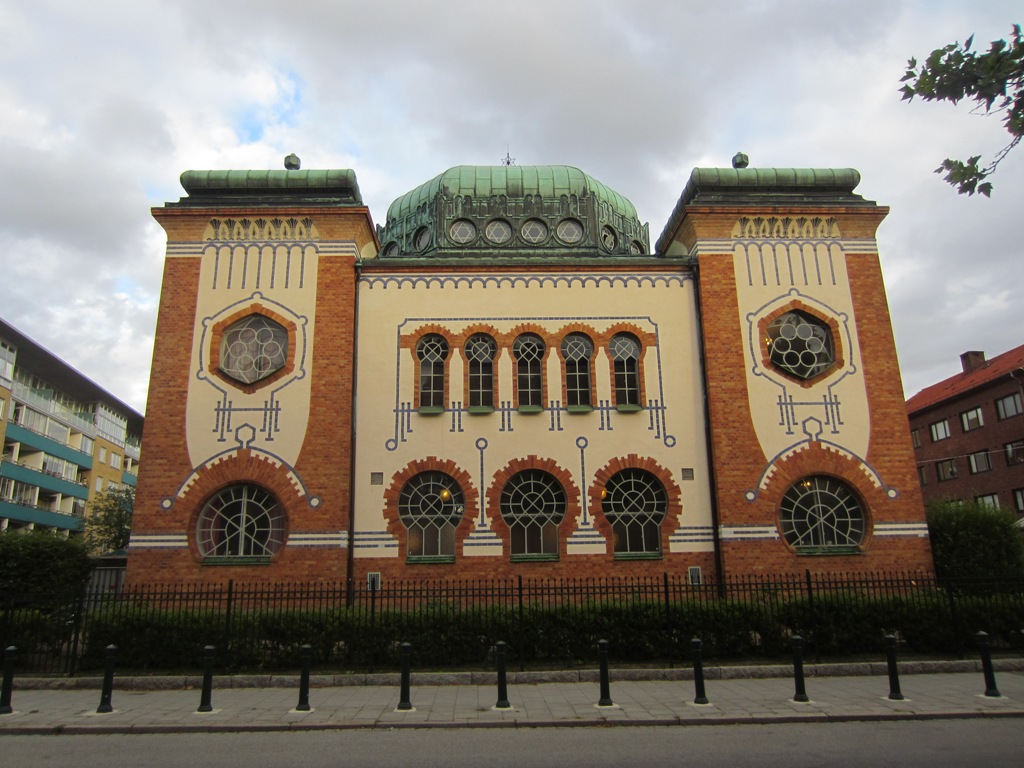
{"x": 994, "y": 81}
{"x": 108, "y": 523}
{"x": 975, "y": 541}
{"x": 38, "y": 563}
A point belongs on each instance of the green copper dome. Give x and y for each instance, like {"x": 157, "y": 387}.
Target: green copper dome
{"x": 494, "y": 211}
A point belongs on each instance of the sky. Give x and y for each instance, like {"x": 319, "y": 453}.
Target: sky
{"x": 103, "y": 105}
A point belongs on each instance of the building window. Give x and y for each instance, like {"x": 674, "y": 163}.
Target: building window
{"x": 634, "y": 502}
{"x": 480, "y": 350}
{"x": 800, "y": 345}
{"x": 625, "y": 352}
{"x": 1018, "y": 499}
{"x": 1014, "y": 452}
{"x": 528, "y": 351}
{"x": 922, "y": 475}
{"x": 431, "y": 506}
{"x": 102, "y": 455}
{"x": 971, "y": 419}
{"x": 822, "y": 513}
{"x": 432, "y": 351}
{"x": 253, "y": 348}
{"x": 915, "y": 437}
{"x": 1009, "y": 406}
{"x": 988, "y": 500}
{"x": 462, "y": 231}
{"x": 532, "y": 505}
{"x": 577, "y": 349}
{"x": 239, "y": 522}
{"x": 946, "y": 470}
{"x": 979, "y": 462}
{"x": 115, "y": 460}
{"x": 940, "y": 430}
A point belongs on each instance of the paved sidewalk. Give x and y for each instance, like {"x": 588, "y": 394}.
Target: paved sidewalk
{"x": 636, "y": 702}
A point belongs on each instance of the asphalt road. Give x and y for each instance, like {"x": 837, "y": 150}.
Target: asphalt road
{"x": 992, "y": 743}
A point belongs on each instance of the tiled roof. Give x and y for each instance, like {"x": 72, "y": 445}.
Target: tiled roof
{"x": 959, "y": 383}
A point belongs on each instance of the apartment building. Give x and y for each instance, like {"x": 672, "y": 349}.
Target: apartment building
{"x": 968, "y": 432}
{"x": 66, "y": 439}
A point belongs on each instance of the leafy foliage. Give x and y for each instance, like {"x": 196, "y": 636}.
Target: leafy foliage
{"x": 108, "y": 524}
{"x": 973, "y": 541}
{"x": 42, "y": 563}
{"x": 994, "y": 81}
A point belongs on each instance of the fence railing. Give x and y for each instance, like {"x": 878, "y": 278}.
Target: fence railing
{"x": 455, "y": 624}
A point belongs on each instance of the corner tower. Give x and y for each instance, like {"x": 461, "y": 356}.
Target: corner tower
{"x": 251, "y": 388}
{"x": 813, "y": 467}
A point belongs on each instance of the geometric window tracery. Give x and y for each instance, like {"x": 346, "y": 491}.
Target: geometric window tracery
{"x": 634, "y": 502}
{"x": 528, "y": 350}
{"x": 480, "y": 351}
{"x": 253, "y": 348}
{"x": 800, "y": 344}
{"x": 577, "y": 350}
{"x": 431, "y": 506}
{"x": 533, "y": 504}
{"x": 432, "y": 350}
{"x": 625, "y": 353}
{"x": 822, "y": 512}
{"x": 241, "y": 521}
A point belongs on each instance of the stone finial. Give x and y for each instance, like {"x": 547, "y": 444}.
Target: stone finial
{"x": 292, "y": 162}
{"x": 740, "y": 160}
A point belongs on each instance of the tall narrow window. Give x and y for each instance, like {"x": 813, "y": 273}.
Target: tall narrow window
{"x": 533, "y": 505}
{"x": 625, "y": 352}
{"x": 432, "y": 351}
{"x": 528, "y": 351}
{"x": 480, "y": 351}
{"x": 577, "y": 349}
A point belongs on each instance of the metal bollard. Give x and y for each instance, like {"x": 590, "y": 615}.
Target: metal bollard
{"x": 204, "y": 700}
{"x": 404, "y": 704}
{"x": 10, "y": 656}
{"x": 108, "y": 682}
{"x": 798, "y": 669}
{"x": 894, "y": 675}
{"x": 304, "y": 652}
{"x": 501, "y": 648}
{"x": 701, "y": 696}
{"x": 986, "y": 665}
{"x": 602, "y": 654}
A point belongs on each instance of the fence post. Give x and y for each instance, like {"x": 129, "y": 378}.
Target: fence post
{"x": 76, "y": 626}
{"x": 813, "y": 615}
{"x": 894, "y": 676}
{"x": 798, "y": 669}
{"x": 108, "y": 682}
{"x": 207, "y": 693}
{"x": 602, "y": 655}
{"x": 986, "y": 665}
{"x": 304, "y": 652}
{"x": 10, "y": 656}
{"x": 700, "y": 696}
{"x": 502, "y": 681}
{"x": 228, "y": 613}
{"x": 403, "y": 699}
{"x": 519, "y": 600}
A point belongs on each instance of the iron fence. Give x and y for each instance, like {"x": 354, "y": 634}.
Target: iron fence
{"x": 455, "y": 624}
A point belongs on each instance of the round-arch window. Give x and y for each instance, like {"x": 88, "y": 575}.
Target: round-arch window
{"x": 391, "y": 249}
{"x": 253, "y": 348}
{"x": 608, "y": 238}
{"x": 431, "y": 506}
{"x": 534, "y": 231}
{"x": 634, "y": 502}
{"x": 821, "y": 512}
{"x": 498, "y": 231}
{"x": 635, "y": 247}
{"x": 800, "y": 344}
{"x": 533, "y": 504}
{"x": 241, "y": 521}
{"x": 422, "y": 239}
{"x": 462, "y": 231}
{"x": 569, "y": 231}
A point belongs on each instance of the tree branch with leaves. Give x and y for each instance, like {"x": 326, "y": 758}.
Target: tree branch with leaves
{"x": 994, "y": 81}
{"x": 108, "y": 524}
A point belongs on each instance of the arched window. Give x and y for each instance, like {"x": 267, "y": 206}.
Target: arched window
{"x": 241, "y": 521}
{"x": 431, "y": 506}
{"x": 532, "y": 505}
{"x": 634, "y": 502}
{"x": 625, "y": 353}
{"x": 528, "y": 350}
{"x": 432, "y": 351}
{"x": 577, "y": 349}
{"x": 253, "y": 348}
{"x": 480, "y": 352}
{"x": 822, "y": 513}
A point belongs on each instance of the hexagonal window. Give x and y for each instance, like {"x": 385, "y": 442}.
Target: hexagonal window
{"x": 253, "y": 349}
{"x": 800, "y": 345}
